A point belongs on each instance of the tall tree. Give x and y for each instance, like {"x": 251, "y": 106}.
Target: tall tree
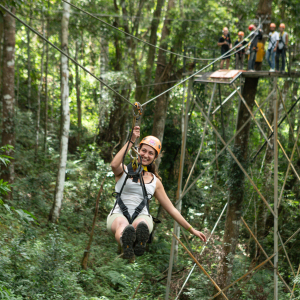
{"x": 46, "y": 86}
{"x": 8, "y": 92}
{"x": 77, "y": 86}
{"x": 65, "y": 123}
{"x": 162, "y": 74}
{"x": 141, "y": 93}
{"x": 113, "y": 135}
{"x": 40, "y": 87}
{"x": 1, "y": 49}
{"x": 29, "y": 60}
{"x": 236, "y": 180}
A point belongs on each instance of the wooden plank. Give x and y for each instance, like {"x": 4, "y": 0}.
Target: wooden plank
{"x": 270, "y": 74}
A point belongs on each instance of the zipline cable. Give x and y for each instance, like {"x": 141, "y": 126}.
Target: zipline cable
{"x": 134, "y": 37}
{"x": 205, "y": 67}
{"x": 62, "y": 52}
{"x": 82, "y": 67}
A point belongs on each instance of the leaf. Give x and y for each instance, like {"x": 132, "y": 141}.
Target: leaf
{"x": 7, "y": 207}
{"x": 25, "y": 216}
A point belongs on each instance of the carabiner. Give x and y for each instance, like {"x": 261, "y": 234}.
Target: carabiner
{"x": 139, "y": 108}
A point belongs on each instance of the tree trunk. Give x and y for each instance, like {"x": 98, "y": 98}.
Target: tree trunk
{"x": 236, "y": 186}
{"x": 60, "y": 180}
{"x": 46, "y": 88}
{"x": 161, "y": 74}
{"x": 141, "y": 93}
{"x": 264, "y": 12}
{"x": 113, "y": 136}
{"x": 103, "y": 69}
{"x": 267, "y": 187}
{"x": 1, "y": 51}
{"x": 8, "y": 94}
{"x": 293, "y": 115}
{"x": 29, "y": 62}
{"x": 87, "y": 249}
{"x": 38, "y": 113}
{"x": 77, "y": 85}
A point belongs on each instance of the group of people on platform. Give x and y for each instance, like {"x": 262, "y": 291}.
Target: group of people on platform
{"x": 255, "y": 49}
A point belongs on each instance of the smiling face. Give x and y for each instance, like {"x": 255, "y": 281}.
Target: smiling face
{"x": 148, "y": 154}
{"x": 225, "y": 31}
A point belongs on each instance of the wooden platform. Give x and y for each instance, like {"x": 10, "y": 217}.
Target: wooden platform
{"x": 270, "y": 74}
{"x": 212, "y": 77}
{"x": 221, "y": 76}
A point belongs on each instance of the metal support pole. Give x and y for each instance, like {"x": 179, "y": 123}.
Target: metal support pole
{"x": 185, "y": 118}
{"x": 222, "y": 117}
{"x": 276, "y": 198}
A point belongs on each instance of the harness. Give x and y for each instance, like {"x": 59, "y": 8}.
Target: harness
{"x": 282, "y": 42}
{"x": 135, "y": 175}
{"x": 272, "y": 43}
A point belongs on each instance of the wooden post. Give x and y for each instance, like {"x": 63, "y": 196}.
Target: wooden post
{"x": 87, "y": 249}
{"x": 276, "y": 198}
{"x": 178, "y": 206}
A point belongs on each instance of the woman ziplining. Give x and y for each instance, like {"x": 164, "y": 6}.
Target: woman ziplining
{"x": 130, "y": 220}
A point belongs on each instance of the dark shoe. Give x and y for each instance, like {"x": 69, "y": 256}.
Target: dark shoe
{"x": 127, "y": 240}
{"x": 142, "y": 236}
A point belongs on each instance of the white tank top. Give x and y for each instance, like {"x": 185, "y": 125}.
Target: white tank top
{"x": 132, "y": 194}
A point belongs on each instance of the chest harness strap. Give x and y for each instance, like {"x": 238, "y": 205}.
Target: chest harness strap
{"x": 135, "y": 175}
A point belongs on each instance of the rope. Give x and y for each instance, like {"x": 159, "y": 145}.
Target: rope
{"x": 62, "y": 52}
{"x": 134, "y": 37}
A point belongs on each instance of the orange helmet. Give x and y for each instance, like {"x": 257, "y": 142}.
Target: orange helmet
{"x": 241, "y": 33}
{"x": 153, "y": 142}
{"x": 251, "y": 27}
{"x": 282, "y": 25}
{"x": 273, "y": 25}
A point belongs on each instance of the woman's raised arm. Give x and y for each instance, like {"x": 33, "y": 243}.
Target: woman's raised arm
{"x": 116, "y": 164}
{"x": 164, "y": 200}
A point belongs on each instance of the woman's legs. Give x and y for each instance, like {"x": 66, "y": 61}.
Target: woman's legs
{"x": 118, "y": 226}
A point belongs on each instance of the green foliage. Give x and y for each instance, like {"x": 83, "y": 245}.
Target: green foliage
{"x": 41, "y": 261}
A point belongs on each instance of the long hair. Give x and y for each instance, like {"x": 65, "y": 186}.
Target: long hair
{"x": 153, "y": 169}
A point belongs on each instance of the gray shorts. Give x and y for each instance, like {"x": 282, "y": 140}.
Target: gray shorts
{"x": 112, "y": 217}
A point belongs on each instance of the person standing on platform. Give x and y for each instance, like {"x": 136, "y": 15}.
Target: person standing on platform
{"x": 225, "y": 44}
{"x": 259, "y": 55}
{"x": 272, "y": 48}
{"x": 240, "y": 55}
{"x": 253, "y": 46}
{"x": 281, "y": 49}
